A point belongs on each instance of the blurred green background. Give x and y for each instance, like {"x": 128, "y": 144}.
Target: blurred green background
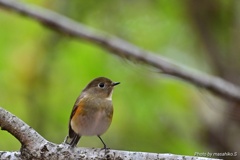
{"x": 42, "y": 73}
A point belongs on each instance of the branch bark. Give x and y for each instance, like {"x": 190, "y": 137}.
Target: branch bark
{"x": 34, "y": 146}
{"x": 121, "y": 48}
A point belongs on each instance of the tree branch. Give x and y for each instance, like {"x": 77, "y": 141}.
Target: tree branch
{"x": 24, "y": 133}
{"x": 124, "y": 49}
{"x": 35, "y": 146}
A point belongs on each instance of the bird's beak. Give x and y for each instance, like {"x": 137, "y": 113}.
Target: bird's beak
{"x": 115, "y": 83}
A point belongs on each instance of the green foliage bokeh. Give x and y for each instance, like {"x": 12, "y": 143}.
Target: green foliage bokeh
{"x": 42, "y": 73}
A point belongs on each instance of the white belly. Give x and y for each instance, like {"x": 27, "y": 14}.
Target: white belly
{"x": 91, "y": 125}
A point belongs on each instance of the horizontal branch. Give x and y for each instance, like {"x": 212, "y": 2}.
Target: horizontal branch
{"x": 124, "y": 49}
{"x": 36, "y": 147}
{"x": 62, "y": 152}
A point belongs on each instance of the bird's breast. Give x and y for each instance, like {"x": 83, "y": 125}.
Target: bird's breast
{"x": 96, "y": 119}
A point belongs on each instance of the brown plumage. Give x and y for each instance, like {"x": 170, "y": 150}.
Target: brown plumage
{"x": 92, "y": 112}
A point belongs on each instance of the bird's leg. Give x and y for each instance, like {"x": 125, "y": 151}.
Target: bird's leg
{"x": 104, "y": 145}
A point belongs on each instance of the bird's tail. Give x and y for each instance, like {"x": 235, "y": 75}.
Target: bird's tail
{"x": 72, "y": 141}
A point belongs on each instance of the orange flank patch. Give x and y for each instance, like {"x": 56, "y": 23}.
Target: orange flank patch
{"x": 79, "y": 112}
{"x": 75, "y": 123}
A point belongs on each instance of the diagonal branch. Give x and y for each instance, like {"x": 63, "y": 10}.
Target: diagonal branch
{"x": 25, "y": 134}
{"x": 121, "y": 48}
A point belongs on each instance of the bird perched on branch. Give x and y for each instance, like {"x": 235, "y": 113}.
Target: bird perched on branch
{"x": 92, "y": 112}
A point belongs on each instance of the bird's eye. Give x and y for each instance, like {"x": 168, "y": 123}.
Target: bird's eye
{"x": 101, "y": 85}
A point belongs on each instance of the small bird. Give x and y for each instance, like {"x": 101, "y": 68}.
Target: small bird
{"x": 92, "y": 112}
